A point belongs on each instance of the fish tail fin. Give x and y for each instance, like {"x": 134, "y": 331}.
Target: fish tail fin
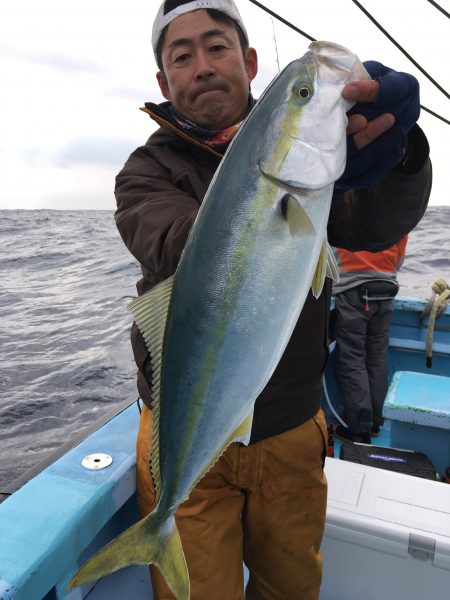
{"x": 172, "y": 564}
{"x": 149, "y": 541}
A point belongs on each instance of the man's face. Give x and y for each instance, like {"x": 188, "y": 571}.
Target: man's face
{"x": 206, "y": 76}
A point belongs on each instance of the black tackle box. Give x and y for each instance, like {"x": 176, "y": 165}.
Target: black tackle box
{"x": 392, "y": 459}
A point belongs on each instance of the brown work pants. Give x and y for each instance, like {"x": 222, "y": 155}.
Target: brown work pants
{"x": 262, "y": 504}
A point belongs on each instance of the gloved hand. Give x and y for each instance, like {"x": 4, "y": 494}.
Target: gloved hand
{"x": 398, "y": 95}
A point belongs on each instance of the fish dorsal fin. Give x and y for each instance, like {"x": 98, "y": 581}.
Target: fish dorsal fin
{"x": 326, "y": 267}
{"x": 150, "y": 312}
{"x": 294, "y": 213}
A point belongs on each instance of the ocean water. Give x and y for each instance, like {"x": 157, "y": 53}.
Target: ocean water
{"x": 65, "y": 357}
{"x": 66, "y": 279}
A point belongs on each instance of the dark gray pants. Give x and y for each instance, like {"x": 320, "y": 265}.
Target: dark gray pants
{"x": 362, "y": 343}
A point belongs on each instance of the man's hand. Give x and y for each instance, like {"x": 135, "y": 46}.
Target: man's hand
{"x": 364, "y": 132}
{"x": 386, "y": 108}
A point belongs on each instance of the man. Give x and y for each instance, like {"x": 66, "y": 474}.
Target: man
{"x": 263, "y": 503}
{"x": 364, "y": 297}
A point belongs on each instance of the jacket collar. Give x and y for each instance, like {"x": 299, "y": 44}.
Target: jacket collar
{"x": 160, "y": 114}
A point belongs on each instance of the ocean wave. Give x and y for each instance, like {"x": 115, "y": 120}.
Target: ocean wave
{"x": 65, "y": 355}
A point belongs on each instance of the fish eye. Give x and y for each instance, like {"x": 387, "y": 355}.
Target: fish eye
{"x": 302, "y": 91}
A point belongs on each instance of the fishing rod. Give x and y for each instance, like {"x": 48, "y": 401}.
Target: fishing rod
{"x": 436, "y": 5}
{"x": 394, "y": 41}
{"x": 428, "y": 110}
{"x": 276, "y": 45}
{"x": 280, "y": 18}
{"x": 312, "y": 39}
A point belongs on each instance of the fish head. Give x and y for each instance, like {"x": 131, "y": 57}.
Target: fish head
{"x": 306, "y": 139}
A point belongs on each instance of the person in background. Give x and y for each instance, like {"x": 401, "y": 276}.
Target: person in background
{"x": 264, "y": 503}
{"x": 364, "y": 299}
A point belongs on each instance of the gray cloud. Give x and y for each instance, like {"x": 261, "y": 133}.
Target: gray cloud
{"x": 54, "y": 60}
{"x": 138, "y": 95}
{"x": 84, "y": 150}
{"x": 98, "y": 151}
{"x": 64, "y": 62}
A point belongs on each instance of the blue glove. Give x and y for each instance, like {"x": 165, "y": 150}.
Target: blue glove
{"x": 399, "y": 95}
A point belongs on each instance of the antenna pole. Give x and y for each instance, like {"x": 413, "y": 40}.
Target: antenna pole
{"x": 275, "y": 41}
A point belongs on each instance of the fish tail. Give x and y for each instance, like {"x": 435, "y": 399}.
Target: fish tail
{"x": 149, "y": 541}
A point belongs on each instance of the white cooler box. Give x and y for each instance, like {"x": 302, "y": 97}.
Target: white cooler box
{"x": 387, "y": 535}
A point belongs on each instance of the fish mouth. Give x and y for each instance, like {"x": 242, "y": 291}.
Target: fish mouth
{"x": 304, "y": 166}
{"x": 290, "y": 185}
{"x": 329, "y": 151}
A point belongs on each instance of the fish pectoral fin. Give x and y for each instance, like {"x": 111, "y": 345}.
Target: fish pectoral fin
{"x": 320, "y": 273}
{"x": 326, "y": 267}
{"x": 150, "y": 312}
{"x": 332, "y": 266}
{"x": 294, "y": 213}
{"x": 149, "y": 541}
{"x": 243, "y": 432}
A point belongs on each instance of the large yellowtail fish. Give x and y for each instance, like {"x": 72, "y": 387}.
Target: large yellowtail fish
{"x": 218, "y": 328}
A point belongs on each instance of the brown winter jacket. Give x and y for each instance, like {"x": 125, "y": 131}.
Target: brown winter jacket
{"x": 158, "y": 193}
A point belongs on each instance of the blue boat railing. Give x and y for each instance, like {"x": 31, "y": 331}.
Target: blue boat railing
{"x": 58, "y": 518}
{"x": 9, "y": 488}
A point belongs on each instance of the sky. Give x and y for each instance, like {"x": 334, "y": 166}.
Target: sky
{"x": 75, "y": 72}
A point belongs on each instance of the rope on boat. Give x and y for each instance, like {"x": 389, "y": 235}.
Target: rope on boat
{"x": 435, "y": 307}
{"x": 333, "y": 410}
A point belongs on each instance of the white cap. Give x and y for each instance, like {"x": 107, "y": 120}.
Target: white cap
{"x": 226, "y": 6}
